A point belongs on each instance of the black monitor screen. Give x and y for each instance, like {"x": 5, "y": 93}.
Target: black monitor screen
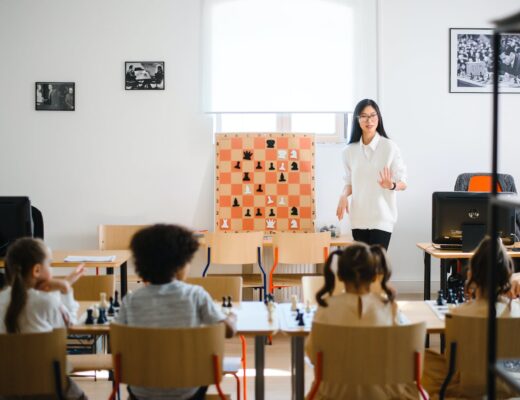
{"x": 455, "y": 212}
{"x": 15, "y": 220}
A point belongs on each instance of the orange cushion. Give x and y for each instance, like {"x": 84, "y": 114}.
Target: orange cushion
{"x": 481, "y": 183}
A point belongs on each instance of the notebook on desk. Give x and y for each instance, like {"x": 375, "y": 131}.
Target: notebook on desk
{"x": 90, "y": 259}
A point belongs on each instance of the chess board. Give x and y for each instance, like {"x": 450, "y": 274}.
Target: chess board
{"x": 440, "y": 311}
{"x": 264, "y": 182}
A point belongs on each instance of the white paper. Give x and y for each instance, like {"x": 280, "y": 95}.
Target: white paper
{"x": 90, "y": 258}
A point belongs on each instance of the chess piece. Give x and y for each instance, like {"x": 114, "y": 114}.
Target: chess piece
{"x": 269, "y": 200}
{"x": 90, "y": 317}
{"x": 111, "y": 311}
{"x": 237, "y": 165}
{"x": 248, "y": 190}
{"x": 282, "y": 154}
{"x": 102, "y": 316}
{"x": 270, "y": 144}
{"x": 258, "y": 213}
{"x": 293, "y": 154}
{"x": 271, "y": 213}
{"x": 229, "y": 305}
{"x": 294, "y": 224}
{"x": 235, "y": 202}
{"x": 224, "y": 224}
{"x": 246, "y": 177}
{"x": 258, "y": 165}
{"x": 282, "y": 167}
{"x": 294, "y": 211}
{"x": 260, "y": 190}
{"x": 461, "y": 297}
{"x": 224, "y": 304}
{"x": 440, "y": 298}
{"x": 281, "y": 201}
{"x": 294, "y": 302}
{"x": 103, "y": 303}
{"x": 95, "y": 311}
{"x": 308, "y": 306}
{"x": 248, "y": 212}
{"x": 271, "y": 167}
{"x": 301, "y": 322}
{"x": 294, "y": 166}
{"x": 247, "y": 155}
{"x": 116, "y": 299}
{"x": 270, "y": 223}
{"x": 451, "y": 297}
{"x": 282, "y": 178}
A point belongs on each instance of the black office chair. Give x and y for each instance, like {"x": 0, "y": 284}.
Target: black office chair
{"x": 37, "y": 218}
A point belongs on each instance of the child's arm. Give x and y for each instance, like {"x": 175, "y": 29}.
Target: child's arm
{"x": 231, "y": 325}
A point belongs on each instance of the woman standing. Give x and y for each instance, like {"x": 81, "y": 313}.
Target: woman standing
{"x": 374, "y": 171}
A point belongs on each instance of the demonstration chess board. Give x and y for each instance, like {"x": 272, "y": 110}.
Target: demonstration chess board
{"x": 264, "y": 182}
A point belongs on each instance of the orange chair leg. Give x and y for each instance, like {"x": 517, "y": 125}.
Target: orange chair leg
{"x": 217, "y": 376}
{"x": 418, "y": 375}
{"x": 117, "y": 377}
{"x": 318, "y": 370}
{"x": 244, "y": 364}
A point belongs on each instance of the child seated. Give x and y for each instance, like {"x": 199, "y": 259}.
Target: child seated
{"x": 34, "y": 301}
{"x": 358, "y": 266}
{"x": 162, "y": 254}
{"x": 435, "y": 365}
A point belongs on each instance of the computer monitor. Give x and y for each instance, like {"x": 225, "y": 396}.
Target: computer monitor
{"x": 460, "y": 220}
{"x": 15, "y": 220}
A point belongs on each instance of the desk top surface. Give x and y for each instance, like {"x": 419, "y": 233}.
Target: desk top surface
{"x": 428, "y": 248}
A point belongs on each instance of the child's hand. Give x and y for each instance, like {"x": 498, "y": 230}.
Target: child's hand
{"x": 514, "y": 292}
{"x": 53, "y": 285}
{"x": 76, "y": 274}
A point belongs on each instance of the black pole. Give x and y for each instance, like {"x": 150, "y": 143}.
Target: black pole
{"x": 492, "y": 345}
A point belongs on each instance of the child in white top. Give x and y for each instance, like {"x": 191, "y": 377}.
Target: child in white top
{"x": 34, "y": 301}
{"x": 358, "y": 267}
{"x": 435, "y": 367}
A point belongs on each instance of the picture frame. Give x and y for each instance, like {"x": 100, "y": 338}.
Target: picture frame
{"x": 144, "y": 75}
{"x": 55, "y": 96}
{"x": 471, "y": 61}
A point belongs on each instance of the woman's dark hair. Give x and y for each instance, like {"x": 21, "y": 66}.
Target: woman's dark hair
{"x": 161, "y": 250}
{"x": 383, "y": 269}
{"x": 356, "y": 265}
{"x": 356, "y": 132}
{"x": 20, "y": 259}
{"x": 479, "y": 266}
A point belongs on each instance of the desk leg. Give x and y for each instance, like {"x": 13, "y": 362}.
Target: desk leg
{"x": 259, "y": 367}
{"x": 124, "y": 279}
{"x": 427, "y": 275}
{"x": 297, "y": 367}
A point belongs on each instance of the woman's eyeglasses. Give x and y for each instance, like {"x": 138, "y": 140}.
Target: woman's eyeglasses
{"x": 366, "y": 118}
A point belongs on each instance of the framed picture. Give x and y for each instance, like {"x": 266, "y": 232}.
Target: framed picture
{"x": 55, "y": 96}
{"x": 144, "y": 75}
{"x": 471, "y": 61}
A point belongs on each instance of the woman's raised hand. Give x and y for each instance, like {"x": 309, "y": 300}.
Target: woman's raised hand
{"x": 385, "y": 178}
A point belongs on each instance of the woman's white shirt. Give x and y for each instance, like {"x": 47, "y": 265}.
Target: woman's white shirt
{"x": 43, "y": 311}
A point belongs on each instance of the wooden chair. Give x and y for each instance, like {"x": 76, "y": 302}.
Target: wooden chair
{"x": 219, "y": 287}
{"x": 311, "y": 285}
{"x": 33, "y": 364}
{"x": 298, "y": 248}
{"x": 167, "y": 357}
{"x": 387, "y": 354}
{"x": 236, "y": 249}
{"x": 89, "y": 287}
{"x": 466, "y": 339}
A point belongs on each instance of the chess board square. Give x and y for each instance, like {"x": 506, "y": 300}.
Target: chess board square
{"x": 306, "y": 178}
{"x": 305, "y": 166}
{"x": 283, "y": 225}
{"x": 273, "y": 227}
{"x": 306, "y": 201}
{"x": 259, "y": 143}
{"x": 259, "y": 177}
{"x": 294, "y": 201}
{"x": 223, "y": 142}
{"x": 248, "y": 201}
{"x": 307, "y": 225}
{"x": 306, "y": 155}
{"x": 248, "y": 224}
{"x": 294, "y": 189}
{"x": 305, "y": 143}
{"x": 236, "y": 225}
{"x": 273, "y": 202}
{"x": 225, "y": 212}
{"x": 236, "y": 189}
{"x": 283, "y": 212}
{"x": 223, "y": 166}
{"x": 236, "y": 143}
{"x": 306, "y": 189}
{"x": 248, "y": 166}
{"x": 271, "y": 177}
{"x": 236, "y": 212}
{"x": 224, "y": 155}
{"x": 221, "y": 222}
{"x": 262, "y": 211}
{"x": 236, "y": 155}
{"x": 259, "y": 224}
{"x": 282, "y": 189}
{"x": 283, "y": 143}
{"x": 236, "y": 177}
{"x": 225, "y": 178}
{"x": 259, "y": 201}
{"x": 224, "y": 190}
{"x": 270, "y": 188}
{"x": 248, "y": 141}
{"x": 294, "y": 177}
{"x": 305, "y": 212}
{"x": 271, "y": 154}
{"x": 297, "y": 227}
{"x": 224, "y": 201}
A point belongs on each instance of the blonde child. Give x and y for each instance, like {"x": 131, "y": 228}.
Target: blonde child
{"x": 33, "y": 300}
{"x": 357, "y": 268}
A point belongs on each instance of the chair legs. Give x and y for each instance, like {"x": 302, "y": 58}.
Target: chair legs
{"x": 451, "y": 371}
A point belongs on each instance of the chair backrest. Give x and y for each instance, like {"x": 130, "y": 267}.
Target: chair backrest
{"x": 27, "y": 362}
{"x": 116, "y": 237}
{"x": 302, "y": 248}
{"x": 311, "y": 284}
{"x": 470, "y": 335}
{"x": 167, "y": 357}
{"x": 220, "y": 286}
{"x": 37, "y": 218}
{"x": 88, "y": 287}
{"x": 234, "y": 248}
{"x": 481, "y": 183}
{"x": 368, "y": 355}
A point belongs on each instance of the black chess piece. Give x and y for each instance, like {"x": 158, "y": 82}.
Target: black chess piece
{"x": 301, "y": 322}
{"x": 258, "y": 213}
{"x": 258, "y": 165}
{"x": 282, "y": 178}
{"x": 90, "y": 318}
{"x": 270, "y": 144}
{"x": 248, "y": 213}
{"x": 440, "y": 298}
{"x": 229, "y": 305}
{"x": 260, "y": 190}
{"x": 224, "y": 304}
{"x": 246, "y": 177}
{"x": 247, "y": 155}
{"x": 111, "y": 311}
{"x": 294, "y": 211}
{"x": 235, "y": 202}
{"x": 451, "y": 297}
{"x": 294, "y": 166}
{"x": 297, "y": 314}
{"x": 271, "y": 213}
{"x": 237, "y": 165}
{"x": 271, "y": 167}
{"x": 116, "y": 299}
{"x": 461, "y": 297}
{"x": 102, "y": 316}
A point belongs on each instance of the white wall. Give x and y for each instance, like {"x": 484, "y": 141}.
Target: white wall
{"x": 142, "y": 157}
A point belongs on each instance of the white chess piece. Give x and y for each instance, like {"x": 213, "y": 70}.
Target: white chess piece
{"x": 281, "y": 201}
{"x": 248, "y": 190}
{"x": 293, "y": 155}
{"x": 95, "y": 311}
{"x": 270, "y": 223}
{"x": 308, "y": 306}
{"x": 282, "y": 154}
{"x": 225, "y": 224}
{"x": 294, "y": 224}
{"x": 294, "y": 302}
{"x": 282, "y": 167}
{"x": 269, "y": 200}
{"x": 103, "y": 303}
{"x": 270, "y": 311}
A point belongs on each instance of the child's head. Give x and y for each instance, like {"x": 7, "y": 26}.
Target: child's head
{"x": 356, "y": 267}
{"x": 162, "y": 251}
{"x": 27, "y": 263}
{"x": 479, "y": 266}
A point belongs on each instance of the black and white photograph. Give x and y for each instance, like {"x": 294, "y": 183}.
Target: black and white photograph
{"x": 471, "y": 61}
{"x": 55, "y": 96}
{"x": 144, "y": 75}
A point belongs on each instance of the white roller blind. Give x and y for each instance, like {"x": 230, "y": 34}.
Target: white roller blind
{"x": 288, "y": 55}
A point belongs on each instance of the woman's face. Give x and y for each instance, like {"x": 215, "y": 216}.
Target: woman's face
{"x": 368, "y": 120}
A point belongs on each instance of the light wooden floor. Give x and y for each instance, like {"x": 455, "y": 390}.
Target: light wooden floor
{"x": 278, "y": 364}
